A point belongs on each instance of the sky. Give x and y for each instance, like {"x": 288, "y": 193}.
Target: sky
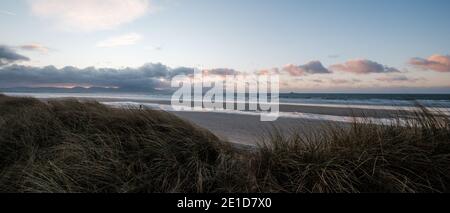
{"x": 316, "y": 45}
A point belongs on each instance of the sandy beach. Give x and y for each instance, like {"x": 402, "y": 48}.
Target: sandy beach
{"x": 248, "y": 129}
{"x": 310, "y": 109}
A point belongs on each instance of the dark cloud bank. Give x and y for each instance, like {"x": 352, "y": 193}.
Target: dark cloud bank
{"x": 8, "y": 56}
{"x": 149, "y": 77}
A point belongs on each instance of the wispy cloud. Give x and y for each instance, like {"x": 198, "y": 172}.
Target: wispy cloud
{"x": 220, "y": 71}
{"x": 438, "y": 63}
{"x": 363, "y": 66}
{"x": 398, "y": 78}
{"x": 35, "y": 47}
{"x": 122, "y": 40}
{"x": 340, "y": 81}
{"x": 90, "y": 15}
{"x": 8, "y": 13}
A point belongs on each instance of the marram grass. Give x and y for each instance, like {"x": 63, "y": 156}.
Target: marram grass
{"x": 69, "y": 146}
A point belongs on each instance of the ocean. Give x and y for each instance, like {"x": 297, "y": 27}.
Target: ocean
{"x": 430, "y": 100}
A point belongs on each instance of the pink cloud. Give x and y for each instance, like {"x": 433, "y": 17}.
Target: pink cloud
{"x": 294, "y": 70}
{"x": 34, "y": 47}
{"x": 313, "y": 67}
{"x": 273, "y": 71}
{"x": 363, "y": 66}
{"x": 438, "y": 63}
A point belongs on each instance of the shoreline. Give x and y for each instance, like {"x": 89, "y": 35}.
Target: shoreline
{"x": 358, "y": 110}
{"x": 348, "y": 111}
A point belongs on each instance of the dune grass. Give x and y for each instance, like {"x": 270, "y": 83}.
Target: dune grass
{"x": 69, "y": 146}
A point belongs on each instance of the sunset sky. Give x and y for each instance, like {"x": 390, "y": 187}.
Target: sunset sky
{"x": 316, "y": 45}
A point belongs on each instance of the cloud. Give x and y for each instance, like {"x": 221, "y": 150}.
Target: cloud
{"x": 182, "y": 71}
{"x": 273, "y": 71}
{"x": 123, "y": 40}
{"x": 363, "y": 66}
{"x": 34, "y": 47}
{"x": 438, "y": 63}
{"x": 8, "y": 56}
{"x": 398, "y": 78}
{"x": 313, "y": 67}
{"x": 221, "y": 71}
{"x": 207, "y": 72}
{"x": 90, "y": 15}
{"x": 8, "y": 13}
{"x": 149, "y": 77}
{"x": 340, "y": 81}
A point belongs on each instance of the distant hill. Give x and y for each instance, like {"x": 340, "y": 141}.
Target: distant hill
{"x": 73, "y": 90}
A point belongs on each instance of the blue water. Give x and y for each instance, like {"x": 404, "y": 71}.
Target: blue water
{"x": 430, "y": 100}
